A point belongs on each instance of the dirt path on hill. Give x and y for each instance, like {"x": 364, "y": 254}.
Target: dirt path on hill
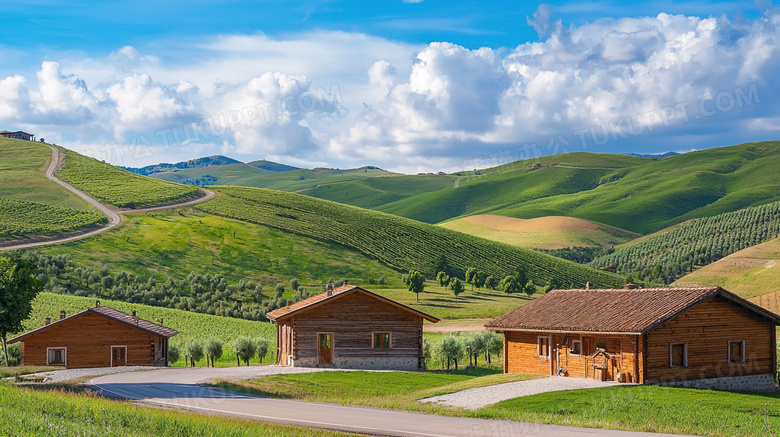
{"x": 114, "y": 217}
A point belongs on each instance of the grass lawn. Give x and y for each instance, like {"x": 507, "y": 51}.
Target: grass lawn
{"x": 22, "y": 370}
{"x": 636, "y": 408}
{"x": 649, "y": 408}
{"x": 398, "y": 390}
{"x": 46, "y": 413}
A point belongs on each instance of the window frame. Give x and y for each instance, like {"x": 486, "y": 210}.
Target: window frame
{"x": 64, "y": 356}
{"x": 742, "y": 352}
{"x": 389, "y": 340}
{"x": 685, "y": 355}
{"x": 539, "y": 339}
{"x": 571, "y": 348}
{"x": 119, "y": 347}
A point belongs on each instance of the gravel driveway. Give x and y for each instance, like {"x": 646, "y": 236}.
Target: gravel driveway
{"x": 475, "y": 398}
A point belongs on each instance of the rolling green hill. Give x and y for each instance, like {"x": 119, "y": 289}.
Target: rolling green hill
{"x": 637, "y": 194}
{"x": 540, "y": 233}
{"x": 20, "y": 220}
{"x": 398, "y": 242}
{"x": 119, "y": 187}
{"x": 193, "y": 163}
{"x": 271, "y": 166}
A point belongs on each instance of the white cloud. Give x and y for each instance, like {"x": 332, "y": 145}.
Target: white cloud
{"x": 143, "y": 103}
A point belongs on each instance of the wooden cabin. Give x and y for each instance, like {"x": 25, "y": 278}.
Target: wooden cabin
{"x": 350, "y": 327}
{"x": 19, "y": 135}
{"x": 97, "y": 337}
{"x": 696, "y": 337}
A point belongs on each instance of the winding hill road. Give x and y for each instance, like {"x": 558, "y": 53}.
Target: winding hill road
{"x": 114, "y": 217}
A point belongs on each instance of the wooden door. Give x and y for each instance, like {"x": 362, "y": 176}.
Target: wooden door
{"x": 325, "y": 349}
{"x": 118, "y": 356}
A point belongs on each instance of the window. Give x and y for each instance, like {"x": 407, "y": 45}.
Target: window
{"x": 678, "y": 355}
{"x": 543, "y": 346}
{"x": 737, "y": 351}
{"x": 381, "y": 340}
{"x": 576, "y": 347}
{"x": 57, "y": 356}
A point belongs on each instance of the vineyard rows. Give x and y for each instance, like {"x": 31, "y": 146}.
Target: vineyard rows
{"x": 699, "y": 242}
{"x": 119, "y": 187}
{"x": 401, "y": 243}
{"x": 21, "y": 219}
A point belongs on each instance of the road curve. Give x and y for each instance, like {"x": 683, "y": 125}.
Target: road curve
{"x": 177, "y": 388}
{"x": 114, "y": 217}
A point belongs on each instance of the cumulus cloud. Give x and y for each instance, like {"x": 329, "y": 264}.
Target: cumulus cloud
{"x": 141, "y": 102}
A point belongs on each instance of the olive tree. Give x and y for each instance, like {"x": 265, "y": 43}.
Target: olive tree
{"x": 173, "y": 354}
{"x": 213, "y": 350}
{"x": 245, "y": 349}
{"x": 262, "y": 348}
{"x": 195, "y": 351}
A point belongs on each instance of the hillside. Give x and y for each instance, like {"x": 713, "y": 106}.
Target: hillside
{"x": 640, "y": 195}
{"x": 119, "y": 187}
{"x": 32, "y": 206}
{"x": 540, "y": 233}
{"x": 397, "y": 242}
{"x": 193, "y": 163}
{"x": 670, "y": 255}
{"x": 750, "y": 272}
{"x": 271, "y": 166}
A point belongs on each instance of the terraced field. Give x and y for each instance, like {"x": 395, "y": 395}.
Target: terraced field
{"x": 400, "y": 243}
{"x": 120, "y": 187}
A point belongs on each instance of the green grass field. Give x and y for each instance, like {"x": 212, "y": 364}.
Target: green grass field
{"x": 29, "y": 412}
{"x": 22, "y": 168}
{"x": 175, "y": 243}
{"x": 20, "y": 220}
{"x": 400, "y": 243}
{"x": 119, "y": 187}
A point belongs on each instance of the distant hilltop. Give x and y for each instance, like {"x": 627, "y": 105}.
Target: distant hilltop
{"x": 206, "y": 162}
{"x": 653, "y": 155}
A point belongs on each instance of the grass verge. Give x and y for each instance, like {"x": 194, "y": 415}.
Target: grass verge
{"x": 45, "y": 413}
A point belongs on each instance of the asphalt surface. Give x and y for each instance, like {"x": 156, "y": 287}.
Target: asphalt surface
{"x": 113, "y": 216}
{"x": 178, "y": 389}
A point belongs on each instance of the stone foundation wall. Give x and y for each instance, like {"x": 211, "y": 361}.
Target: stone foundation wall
{"x": 755, "y": 383}
{"x": 366, "y": 363}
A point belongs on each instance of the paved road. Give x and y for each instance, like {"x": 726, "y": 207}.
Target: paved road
{"x": 113, "y": 216}
{"x": 176, "y": 388}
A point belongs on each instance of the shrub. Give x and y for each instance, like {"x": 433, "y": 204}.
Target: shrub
{"x": 14, "y": 354}
{"x": 173, "y": 354}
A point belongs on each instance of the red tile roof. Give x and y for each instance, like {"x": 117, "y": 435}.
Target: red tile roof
{"x": 109, "y": 313}
{"x": 612, "y": 310}
{"x": 337, "y": 293}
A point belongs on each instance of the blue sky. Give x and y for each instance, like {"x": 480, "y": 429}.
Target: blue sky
{"x": 411, "y": 86}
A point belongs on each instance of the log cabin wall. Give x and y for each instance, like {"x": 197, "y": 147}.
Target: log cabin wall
{"x": 352, "y": 320}
{"x": 522, "y": 354}
{"x": 88, "y": 340}
{"x": 707, "y": 329}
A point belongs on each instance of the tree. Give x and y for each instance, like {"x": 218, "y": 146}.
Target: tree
{"x": 173, "y": 353}
{"x": 415, "y": 282}
{"x": 552, "y": 284}
{"x": 521, "y": 274}
{"x": 294, "y": 284}
{"x": 443, "y": 279}
{"x": 495, "y": 345}
{"x": 18, "y": 288}
{"x": 529, "y": 288}
{"x": 476, "y": 344}
{"x": 279, "y": 289}
{"x": 509, "y": 285}
{"x": 14, "y": 354}
{"x": 451, "y": 350}
{"x": 195, "y": 350}
{"x": 213, "y": 350}
{"x": 262, "y": 348}
{"x": 245, "y": 349}
{"x": 457, "y": 287}
{"x": 491, "y": 282}
{"x": 471, "y": 273}
{"x": 478, "y": 280}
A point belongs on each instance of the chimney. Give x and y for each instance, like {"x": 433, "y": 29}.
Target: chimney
{"x": 47, "y": 320}
{"x": 329, "y": 290}
{"x": 631, "y": 286}
{"x": 62, "y": 314}
{"x": 346, "y": 282}
{"x": 97, "y": 304}
{"x": 587, "y": 285}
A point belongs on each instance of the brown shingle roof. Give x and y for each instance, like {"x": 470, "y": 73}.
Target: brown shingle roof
{"x": 337, "y": 293}
{"x": 612, "y": 310}
{"x": 109, "y": 313}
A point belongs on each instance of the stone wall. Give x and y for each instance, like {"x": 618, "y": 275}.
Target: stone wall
{"x": 754, "y": 383}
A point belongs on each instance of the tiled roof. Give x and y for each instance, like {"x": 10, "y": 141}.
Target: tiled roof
{"x": 611, "y": 310}
{"x": 109, "y": 313}
{"x": 338, "y": 292}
